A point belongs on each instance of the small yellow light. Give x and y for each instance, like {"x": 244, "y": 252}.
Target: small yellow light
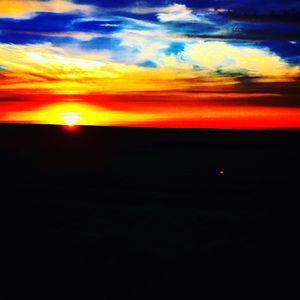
{"x": 221, "y": 172}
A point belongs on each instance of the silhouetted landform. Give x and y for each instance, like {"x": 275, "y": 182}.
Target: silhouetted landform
{"x": 149, "y": 213}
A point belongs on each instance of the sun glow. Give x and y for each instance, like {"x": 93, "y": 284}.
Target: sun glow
{"x": 70, "y": 118}
{"x": 183, "y": 111}
{"x": 72, "y": 115}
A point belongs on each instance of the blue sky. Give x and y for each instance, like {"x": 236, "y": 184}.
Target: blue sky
{"x": 271, "y": 24}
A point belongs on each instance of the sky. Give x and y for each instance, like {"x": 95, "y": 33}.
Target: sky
{"x": 203, "y": 64}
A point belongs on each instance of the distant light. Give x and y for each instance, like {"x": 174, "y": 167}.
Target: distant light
{"x": 70, "y": 119}
{"x": 221, "y": 172}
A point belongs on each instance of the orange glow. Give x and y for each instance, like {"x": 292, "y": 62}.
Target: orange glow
{"x": 153, "y": 110}
{"x": 72, "y": 113}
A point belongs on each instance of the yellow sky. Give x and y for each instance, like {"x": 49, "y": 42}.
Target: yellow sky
{"x": 59, "y": 71}
{"x": 25, "y": 8}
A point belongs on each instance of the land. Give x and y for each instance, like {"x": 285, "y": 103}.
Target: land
{"x": 149, "y": 213}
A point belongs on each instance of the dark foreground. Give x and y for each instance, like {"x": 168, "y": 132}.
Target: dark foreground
{"x": 146, "y": 213}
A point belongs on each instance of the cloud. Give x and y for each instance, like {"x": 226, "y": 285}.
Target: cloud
{"x": 143, "y": 45}
{"x": 20, "y": 9}
{"x": 172, "y": 13}
{"x": 255, "y": 62}
{"x": 177, "y": 13}
{"x": 200, "y": 65}
{"x": 81, "y": 36}
{"x": 44, "y": 67}
{"x": 284, "y": 17}
{"x": 207, "y": 58}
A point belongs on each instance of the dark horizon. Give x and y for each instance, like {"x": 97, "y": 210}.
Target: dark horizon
{"x": 177, "y": 212}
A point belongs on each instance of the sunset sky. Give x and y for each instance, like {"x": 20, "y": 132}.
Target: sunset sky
{"x": 189, "y": 63}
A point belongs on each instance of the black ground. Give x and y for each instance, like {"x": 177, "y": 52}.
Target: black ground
{"x": 147, "y": 213}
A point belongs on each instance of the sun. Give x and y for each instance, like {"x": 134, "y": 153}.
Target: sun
{"x": 70, "y": 119}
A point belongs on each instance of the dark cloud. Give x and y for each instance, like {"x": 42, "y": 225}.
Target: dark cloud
{"x": 284, "y": 101}
{"x": 285, "y": 17}
{"x": 248, "y": 36}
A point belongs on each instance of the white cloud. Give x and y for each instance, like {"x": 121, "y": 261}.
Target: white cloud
{"x": 255, "y": 61}
{"x": 81, "y": 36}
{"x": 142, "y": 45}
{"x": 109, "y": 25}
{"x": 177, "y": 13}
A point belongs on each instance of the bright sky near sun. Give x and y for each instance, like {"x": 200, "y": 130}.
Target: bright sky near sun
{"x": 217, "y": 63}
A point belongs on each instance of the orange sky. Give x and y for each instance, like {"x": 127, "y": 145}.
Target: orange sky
{"x": 153, "y": 110}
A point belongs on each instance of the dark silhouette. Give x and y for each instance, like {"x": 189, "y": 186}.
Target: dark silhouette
{"x": 149, "y": 213}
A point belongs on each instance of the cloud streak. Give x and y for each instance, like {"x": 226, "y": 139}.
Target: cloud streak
{"x": 20, "y": 9}
{"x": 177, "y": 13}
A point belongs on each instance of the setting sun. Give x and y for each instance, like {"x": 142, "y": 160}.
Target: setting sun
{"x": 70, "y": 119}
